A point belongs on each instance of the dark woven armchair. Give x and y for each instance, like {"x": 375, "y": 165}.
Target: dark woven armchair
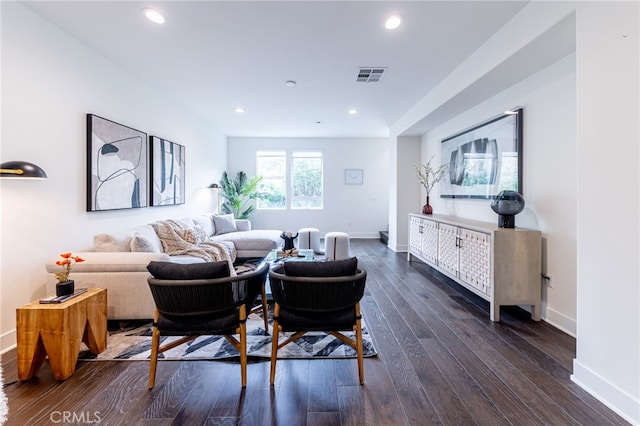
{"x": 317, "y": 303}
{"x": 196, "y": 307}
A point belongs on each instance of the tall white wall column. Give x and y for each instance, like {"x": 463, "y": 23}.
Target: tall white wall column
{"x": 404, "y": 189}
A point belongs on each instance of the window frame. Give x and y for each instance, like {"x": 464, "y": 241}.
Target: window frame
{"x": 275, "y": 153}
{"x": 291, "y": 176}
{"x": 290, "y": 154}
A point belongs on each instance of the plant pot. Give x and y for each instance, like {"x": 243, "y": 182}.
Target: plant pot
{"x": 66, "y": 288}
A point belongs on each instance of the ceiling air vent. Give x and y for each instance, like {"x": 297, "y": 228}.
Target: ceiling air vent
{"x": 370, "y": 75}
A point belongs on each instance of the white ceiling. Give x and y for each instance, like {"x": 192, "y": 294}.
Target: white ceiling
{"x": 212, "y": 56}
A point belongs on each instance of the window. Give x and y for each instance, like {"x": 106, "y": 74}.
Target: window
{"x": 272, "y": 166}
{"x": 306, "y": 180}
{"x": 303, "y": 172}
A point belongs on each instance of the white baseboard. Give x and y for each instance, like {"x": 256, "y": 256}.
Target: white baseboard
{"x": 625, "y": 405}
{"x": 7, "y": 341}
{"x": 399, "y": 248}
{"x": 560, "y": 321}
{"x": 361, "y": 235}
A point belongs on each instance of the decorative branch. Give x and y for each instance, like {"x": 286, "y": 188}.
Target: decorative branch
{"x": 428, "y": 176}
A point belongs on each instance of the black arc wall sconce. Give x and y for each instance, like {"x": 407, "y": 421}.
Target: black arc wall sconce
{"x": 21, "y": 170}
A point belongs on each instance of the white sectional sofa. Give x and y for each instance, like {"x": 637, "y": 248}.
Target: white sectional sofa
{"x": 118, "y": 261}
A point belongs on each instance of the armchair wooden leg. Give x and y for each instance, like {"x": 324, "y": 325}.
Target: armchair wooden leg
{"x": 274, "y": 343}
{"x": 155, "y": 344}
{"x": 243, "y": 345}
{"x": 359, "y": 348}
{"x": 264, "y": 309}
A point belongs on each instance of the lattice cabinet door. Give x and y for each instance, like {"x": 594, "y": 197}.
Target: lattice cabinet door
{"x": 415, "y": 235}
{"x": 475, "y": 255}
{"x": 448, "y": 248}
{"x": 430, "y": 241}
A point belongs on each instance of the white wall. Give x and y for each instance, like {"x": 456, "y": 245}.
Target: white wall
{"x": 608, "y": 113}
{"x": 404, "y": 188}
{"x": 49, "y": 82}
{"x": 548, "y": 99}
{"x": 360, "y": 210}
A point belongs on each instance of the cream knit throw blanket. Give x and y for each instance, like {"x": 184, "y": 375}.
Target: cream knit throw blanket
{"x": 180, "y": 239}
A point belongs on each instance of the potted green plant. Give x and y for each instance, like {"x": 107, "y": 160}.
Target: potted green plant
{"x": 237, "y": 193}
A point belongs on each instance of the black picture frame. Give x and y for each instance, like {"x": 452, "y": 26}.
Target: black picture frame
{"x": 168, "y": 171}
{"x": 484, "y": 159}
{"x": 116, "y": 165}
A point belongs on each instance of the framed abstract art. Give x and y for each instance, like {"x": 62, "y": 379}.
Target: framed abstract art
{"x": 484, "y": 159}
{"x": 116, "y": 165}
{"x": 167, "y": 172}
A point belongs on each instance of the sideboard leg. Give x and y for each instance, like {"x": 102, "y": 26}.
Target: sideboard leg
{"x": 495, "y": 312}
{"x": 535, "y": 312}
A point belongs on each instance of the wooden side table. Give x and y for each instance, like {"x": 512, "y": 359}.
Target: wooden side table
{"x": 56, "y": 330}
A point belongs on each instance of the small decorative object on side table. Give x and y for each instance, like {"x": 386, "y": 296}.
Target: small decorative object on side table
{"x": 65, "y": 286}
{"x": 428, "y": 177}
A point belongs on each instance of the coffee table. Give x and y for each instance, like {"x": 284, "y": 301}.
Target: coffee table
{"x": 303, "y": 255}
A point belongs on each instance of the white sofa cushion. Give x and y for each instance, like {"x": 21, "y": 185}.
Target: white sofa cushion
{"x": 206, "y": 223}
{"x": 115, "y": 241}
{"x": 146, "y": 240}
{"x": 187, "y": 221}
{"x": 243, "y": 224}
{"x": 255, "y": 240}
{"x": 224, "y": 223}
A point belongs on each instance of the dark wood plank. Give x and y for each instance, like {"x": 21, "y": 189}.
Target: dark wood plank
{"x": 200, "y": 402}
{"x": 417, "y": 407}
{"x": 222, "y": 421}
{"x": 354, "y": 408}
{"x": 324, "y": 418}
{"x": 164, "y": 373}
{"x": 292, "y": 395}
{"x": 471, "y": 393}
{"x": 385, "y": 341}
{"x": 322, "y": 387}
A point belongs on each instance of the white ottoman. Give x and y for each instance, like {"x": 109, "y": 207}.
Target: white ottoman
{"x": 336, "y": 245}
{"x": 309, "y": 238}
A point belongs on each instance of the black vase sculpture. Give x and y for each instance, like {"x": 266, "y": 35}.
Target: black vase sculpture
{"x": 507, "y": 204}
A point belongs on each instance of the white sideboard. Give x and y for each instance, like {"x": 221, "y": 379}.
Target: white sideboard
{"x": 500, "y": 265}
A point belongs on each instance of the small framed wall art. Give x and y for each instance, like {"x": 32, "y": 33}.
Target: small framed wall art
{"x": 116, "y": 165}
{"x": 353, "y": 176}
{"x": 167, "y": 172}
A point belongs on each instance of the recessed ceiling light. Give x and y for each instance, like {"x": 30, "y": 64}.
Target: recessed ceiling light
{"x": 153, "y": 15}
{"x": 290, "y": 83}
{"x": 239, "y": 110}
{"x": 353, "y": 111}
{"x": 393, "y": 22}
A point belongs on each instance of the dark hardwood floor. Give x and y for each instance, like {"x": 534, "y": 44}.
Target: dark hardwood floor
{"x": 440, "y": 361}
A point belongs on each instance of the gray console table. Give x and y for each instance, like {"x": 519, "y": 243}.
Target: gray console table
{"x": 500, "y": 265}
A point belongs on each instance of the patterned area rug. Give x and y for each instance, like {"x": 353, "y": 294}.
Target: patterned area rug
{"x": 135, "y": 344}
